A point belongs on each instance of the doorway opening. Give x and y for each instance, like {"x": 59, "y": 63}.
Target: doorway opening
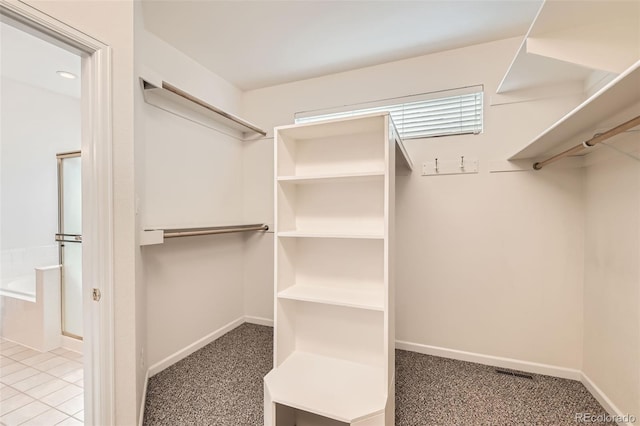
{"x": 40, "y": 198}
{"x": 41, "y": 95}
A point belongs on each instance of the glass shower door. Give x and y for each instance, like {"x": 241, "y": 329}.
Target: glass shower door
{"x": 70, "y": 240}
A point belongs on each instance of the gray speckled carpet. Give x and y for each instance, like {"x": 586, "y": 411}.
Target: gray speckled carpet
{"x": 439, "y": 391}
{"x": 221, "y": 385}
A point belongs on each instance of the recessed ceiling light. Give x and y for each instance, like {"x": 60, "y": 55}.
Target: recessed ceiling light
{"x": 66, "y": 74}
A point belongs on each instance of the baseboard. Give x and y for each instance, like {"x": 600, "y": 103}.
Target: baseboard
{"x": 513, "y": 364}
{"x": 199, "y": 344}
{"x": 144, "y": 399}
{"x": 258, "y": 320}
{"x": 603, "y": 399}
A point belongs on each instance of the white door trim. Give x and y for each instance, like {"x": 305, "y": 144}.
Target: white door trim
{"x": 97, "y": 205}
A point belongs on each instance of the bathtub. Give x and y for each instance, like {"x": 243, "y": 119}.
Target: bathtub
{"x": 30, "y": 309}
{"x": 23, "y": 288}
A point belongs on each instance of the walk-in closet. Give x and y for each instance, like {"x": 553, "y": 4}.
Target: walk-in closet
{"x": 365, "y": 213}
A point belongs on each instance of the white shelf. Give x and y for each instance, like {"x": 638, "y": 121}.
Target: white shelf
{"x": 531, "y": 71}
{"x": 348, "y": 297}
{"x": 615, "y": 97}
{"x": 574, "y": 41}
{"x": 365, "y": 123}
{"x": 336, "y": 331}
{"x": 350, "y": 273}
{"x": 352, "y": 206}
{"x": 335, "y": 155}
{"x": 333, "y": 388}
{"x": 333, "y": 178}
{"x": 312, "y": 234}
{"x": 341, "y": 146}
{"x": 176, "y": 101}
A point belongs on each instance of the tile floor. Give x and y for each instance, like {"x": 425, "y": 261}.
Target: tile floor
{"x": 39, "y": 388}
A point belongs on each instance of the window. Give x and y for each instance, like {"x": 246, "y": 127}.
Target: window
{"x": 443, "y": 113}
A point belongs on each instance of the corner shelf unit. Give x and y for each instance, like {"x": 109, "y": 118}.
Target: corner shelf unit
{"x": 334, "y": 286}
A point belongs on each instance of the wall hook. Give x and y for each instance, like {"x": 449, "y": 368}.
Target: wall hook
{"x": 454, "y": 165}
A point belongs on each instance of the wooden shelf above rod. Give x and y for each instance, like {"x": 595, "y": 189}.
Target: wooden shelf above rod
{"x": 157, "y": 236}
{"x": 176, "y": 101}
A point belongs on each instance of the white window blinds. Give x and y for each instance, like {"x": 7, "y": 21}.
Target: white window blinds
{"x": 451, "y": 112}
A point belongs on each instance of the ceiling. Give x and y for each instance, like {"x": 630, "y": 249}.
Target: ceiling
{"x": 30, "y": 60}
{"x": 255, "y": 44}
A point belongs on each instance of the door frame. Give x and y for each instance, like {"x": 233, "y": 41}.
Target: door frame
{"x": 97, "y": 205}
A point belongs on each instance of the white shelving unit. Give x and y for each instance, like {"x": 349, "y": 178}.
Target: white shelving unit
{"x": 334, "y": 286}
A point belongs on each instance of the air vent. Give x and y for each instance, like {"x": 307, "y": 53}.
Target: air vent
{"x": 514, "y": 373}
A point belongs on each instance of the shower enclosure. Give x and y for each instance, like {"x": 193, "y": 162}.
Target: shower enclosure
{"x": 69, "y": 238}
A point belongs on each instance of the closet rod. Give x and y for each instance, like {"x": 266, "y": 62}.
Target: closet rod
{"x": 191, "y": 98}
{"x": 192, "y": 232}
{"x": 596, "y": 139}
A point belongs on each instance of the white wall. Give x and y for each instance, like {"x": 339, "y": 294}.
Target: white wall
{"x": 487, "y": 263}
{"x": 191, "y": 175}
{"x": 612, "y": 274}
{"x": 258, "y": 275}
{"x": 36, "y": 125}
{"x": 258, "y": 208}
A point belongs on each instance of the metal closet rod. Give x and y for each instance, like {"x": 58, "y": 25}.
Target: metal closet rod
{"x": 192, "y": 232}
{"x": 596, "y": 139}
{"x": 203, "y": 104}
